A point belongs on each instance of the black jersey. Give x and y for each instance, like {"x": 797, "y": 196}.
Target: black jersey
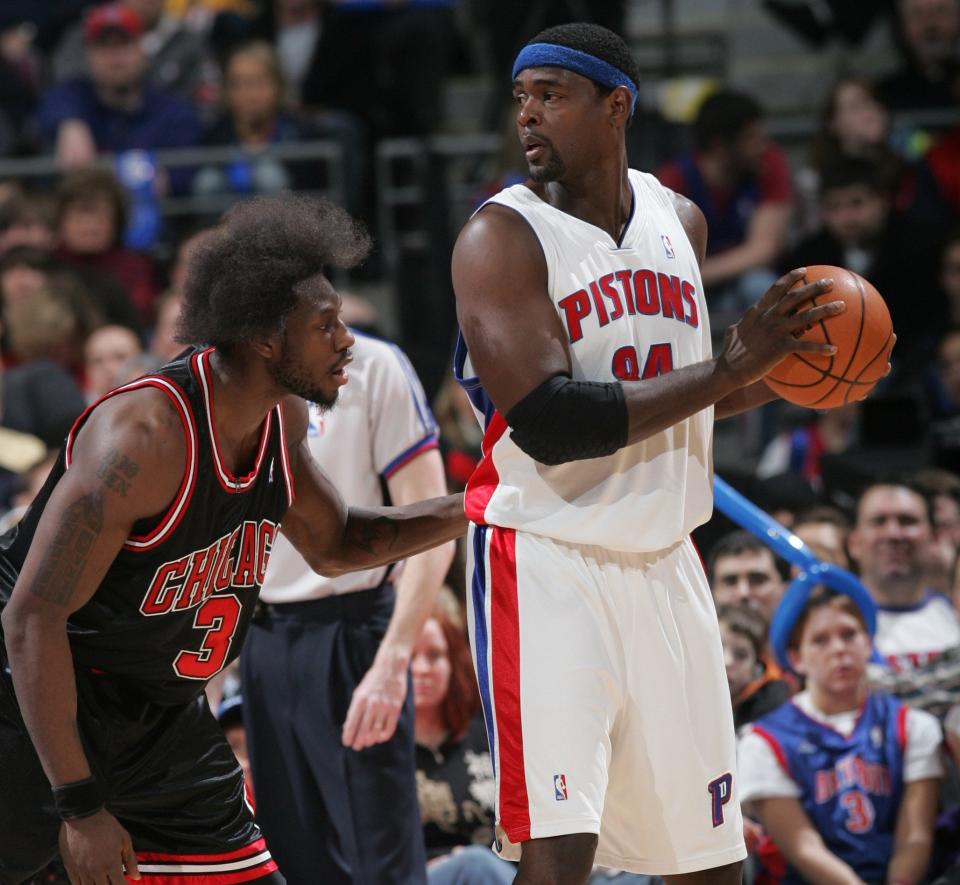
{"x": 174, "y": 607}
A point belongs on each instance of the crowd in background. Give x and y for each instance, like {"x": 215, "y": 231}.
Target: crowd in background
{"x": 92, "y": 274}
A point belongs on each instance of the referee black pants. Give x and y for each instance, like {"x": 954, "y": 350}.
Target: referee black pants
{"x": 330, "y": 814}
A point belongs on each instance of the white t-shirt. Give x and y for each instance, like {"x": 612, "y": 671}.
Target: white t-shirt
{"x": 380, "y": 422}
{"x": 762, "y": 776}
{"x": 908, "y": 636}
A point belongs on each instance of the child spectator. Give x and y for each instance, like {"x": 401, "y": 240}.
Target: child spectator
{"x": 754, "y": 689}
{"x": 844, "y": 781}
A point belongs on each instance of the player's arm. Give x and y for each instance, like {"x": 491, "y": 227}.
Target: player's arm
{"x": 378, "y": 699}
{"x": 128, "y": 461}
{"x": 913, "y": 836}
{"x": 787, "y": 824}
{"x": 521, "y": 353}
{"x": 335, "y": 539}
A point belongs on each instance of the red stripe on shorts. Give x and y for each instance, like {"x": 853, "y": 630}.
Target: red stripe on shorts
{"x": 257, "y": 872}
{"x": 505, "y": 643}
{"x": 238, "y": 854}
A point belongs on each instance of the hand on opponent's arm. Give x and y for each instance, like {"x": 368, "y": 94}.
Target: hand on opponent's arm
{"x": 128, "y": 461}
{"x": 335, "y": 539}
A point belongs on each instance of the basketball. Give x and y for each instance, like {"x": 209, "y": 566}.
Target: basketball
{"x": 862, "y": 334}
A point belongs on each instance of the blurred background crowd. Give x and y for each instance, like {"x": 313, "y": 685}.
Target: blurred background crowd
{"x": 808, "y": 132}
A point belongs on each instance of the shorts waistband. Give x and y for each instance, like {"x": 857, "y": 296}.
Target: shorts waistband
{"x": 359, "y": 603}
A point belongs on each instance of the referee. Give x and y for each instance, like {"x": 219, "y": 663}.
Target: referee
{"x": 327, "y": 709}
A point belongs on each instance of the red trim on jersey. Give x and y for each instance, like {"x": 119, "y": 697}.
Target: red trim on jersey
{"x": 775, "y": 746}
{"x": 237, "y": 854}
{"x": 285, "y": 457}
{"x": 177, "y": 396}
{"x": 228, "y": 482}
{"x": 902, "y": 728}
{"x": 505, "y": 655}
{"x": 257, "y": 872}
{"x": 485, "y": 479}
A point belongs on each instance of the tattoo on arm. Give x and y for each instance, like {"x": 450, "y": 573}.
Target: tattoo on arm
{"x": 374, "y": 536}
{"x": 66, "y": 558}
{"x": 116, "y": 470}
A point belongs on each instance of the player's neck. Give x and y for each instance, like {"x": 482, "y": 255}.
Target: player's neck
{"x": 602, "y": 196}
{"x": 832, "y": 702}
{"x": 241, "y": 401}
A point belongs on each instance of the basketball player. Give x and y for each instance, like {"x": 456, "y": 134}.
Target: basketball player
{"x": 325, "y": 670}
{"x": 133, "y": 577}
{"x": 595, "y": 639}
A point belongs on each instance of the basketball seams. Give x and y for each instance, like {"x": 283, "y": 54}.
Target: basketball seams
{"x": 856, "y": 346}
{"x": 856, "y": 381}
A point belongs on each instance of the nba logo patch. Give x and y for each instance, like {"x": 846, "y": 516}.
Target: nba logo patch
{"x": 560, "y": 787}
{"x": 667, "y": 246}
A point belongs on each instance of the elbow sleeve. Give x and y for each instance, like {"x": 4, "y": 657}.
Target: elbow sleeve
{"x": 563, "y": 420}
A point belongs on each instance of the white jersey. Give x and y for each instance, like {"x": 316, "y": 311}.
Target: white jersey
{"x": 381, "y": 421}
{"x": 909, "y": 636}
{"x": 632, "y": 310}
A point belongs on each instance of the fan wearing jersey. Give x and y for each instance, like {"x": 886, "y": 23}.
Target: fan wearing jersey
{"x": 132, "y": 579}
{"x": 844, "y": 780}
{"x": 326, "y": 667}
{"x": 586, "y": 353}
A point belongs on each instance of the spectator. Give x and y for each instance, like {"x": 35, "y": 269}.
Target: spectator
{"x": 460, "y": 433}
{"x": 177, "y": 59}
{"x": 890, "y": 543}
{"x": 943, "y": 489}
{"x": 844, "y": 781}
{"x": 754, "y": 690}
{"x": 91, "y": 217}
{"x": 929, "y": 76}
{"x": 862, "y": 232}
{"x": 743, "y": 571}
{"x": 741, "y": 181}
{"x": 27, "y": 219}
{"x": 824, "y": 530}
{"x": 113, "y": 109}
{"x": 455, "y": 786}
{"x": 107, "y": 351}
{"x": 255, "y": 118}
{"x": 950, "y": 276}
{"x": 801, "y": 449}
{"x": 163, "y": 341}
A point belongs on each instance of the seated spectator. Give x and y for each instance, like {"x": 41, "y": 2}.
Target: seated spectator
{"x": 844, "y": 781}
{"x": 929, "y": 76}
{"x": 890, "y": 544}
{"x": 113, "y": 109}
{"x": 107, "y": 352}
{"x": 254, "y": 118}
{"x": 741, "y": 181}
{"x": 460, "y": 432}
{"x": 800, "y": 450}
{"x": 91, "y": 217}
{"x": 455, "y": 785}
{"x": 824, "y": 530}
{"x": 27, "y": 219}
{"x": 943, "y": 488}
{"x": 163, "y": 341}
{"x": 862, "y": 232}
{"x": 754, "y": 690}
{"x": 854, "y": 123}
{"x": 178, "y": 61}
{"x": 744, "y": 571}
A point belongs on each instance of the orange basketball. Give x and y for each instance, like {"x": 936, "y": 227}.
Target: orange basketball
{"x": 863, "y": 335}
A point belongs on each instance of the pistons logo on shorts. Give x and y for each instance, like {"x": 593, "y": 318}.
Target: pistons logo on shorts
{"x": 560, "y": 787}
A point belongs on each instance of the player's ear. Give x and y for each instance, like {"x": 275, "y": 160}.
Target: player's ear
{"x": 620, "y": 103}
{"x": 267, "y": 346}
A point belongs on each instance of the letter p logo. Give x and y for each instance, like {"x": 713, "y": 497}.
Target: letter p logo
{"x": 720, "y": 791}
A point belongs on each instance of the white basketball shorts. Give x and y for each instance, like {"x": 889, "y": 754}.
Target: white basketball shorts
{"x": 605, "y": 699}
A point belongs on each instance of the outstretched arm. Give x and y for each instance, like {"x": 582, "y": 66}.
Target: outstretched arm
{"x": 334, "y": 539}
{"x": 522, "y": 355}
{"x": 127, "y": 464}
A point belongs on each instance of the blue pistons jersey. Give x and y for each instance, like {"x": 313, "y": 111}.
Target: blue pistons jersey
{"x": 852, "y": 786}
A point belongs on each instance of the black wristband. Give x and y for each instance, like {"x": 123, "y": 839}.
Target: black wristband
{"x": 78, "y": 799}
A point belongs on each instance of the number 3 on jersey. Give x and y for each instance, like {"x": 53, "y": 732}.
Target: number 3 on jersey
{"x": 218, "y": 616}
{"x": 626, "y": 362}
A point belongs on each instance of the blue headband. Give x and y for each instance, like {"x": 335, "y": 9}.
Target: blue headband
{"x": 550, "y": 55}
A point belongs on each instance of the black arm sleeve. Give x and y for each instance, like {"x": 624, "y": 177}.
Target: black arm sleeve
{"x": 563, "y": 420}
